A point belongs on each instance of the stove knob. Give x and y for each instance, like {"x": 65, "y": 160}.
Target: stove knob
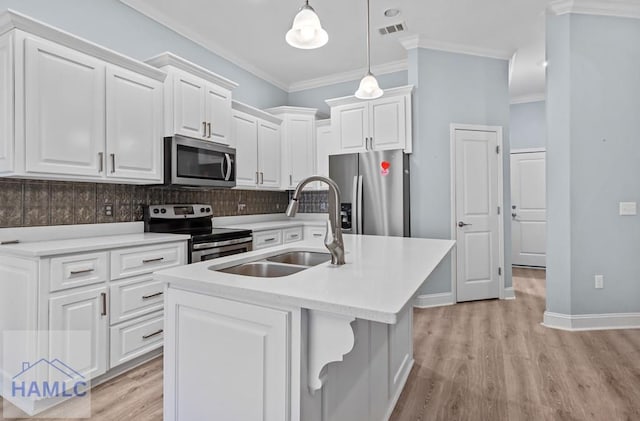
{"x": 163, "y": 210}
{"x": 202, "y": 210}
{"x": 156, "y": 211}
{"x": 208, "y": 209}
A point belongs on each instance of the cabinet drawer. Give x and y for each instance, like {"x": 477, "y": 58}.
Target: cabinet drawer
{"x": 292, "y": 234}
{"x": 315, "y": 233}
{"x": 135, "y": 338}
{"x": 141, "y": 260}
{"x": 135, "y": 297}
{"x": 77, "y": 270}
{"x": 267, "y": 239}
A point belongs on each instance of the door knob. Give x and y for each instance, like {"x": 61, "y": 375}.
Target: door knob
{"x": 462, "y": 224}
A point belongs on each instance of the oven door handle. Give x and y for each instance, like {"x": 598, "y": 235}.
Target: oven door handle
{"x": 227, "y": 172}
{"x": 204, "y": 246}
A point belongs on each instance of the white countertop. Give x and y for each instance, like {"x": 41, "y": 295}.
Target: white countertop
{"x": 84, "y": 244}
{"x": 381, "y": 276}
{"x": 273, "y": 225}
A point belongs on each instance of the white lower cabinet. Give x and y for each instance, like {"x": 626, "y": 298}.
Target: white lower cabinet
{"x": 314, "y": 233}
{"x": 135, "y": 297}
{"x": 79, "y": 313}
{"x": 291, "y": 235}
{"x": 136, "y": 338}
{"x": 226, "y": 359}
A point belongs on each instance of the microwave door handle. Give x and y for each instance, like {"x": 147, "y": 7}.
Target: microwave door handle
{"x": 227, "y": 174}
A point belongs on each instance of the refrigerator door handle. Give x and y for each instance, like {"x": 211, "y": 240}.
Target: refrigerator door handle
{"x": 359, "y": 206}
{"x": 354, "y": 206}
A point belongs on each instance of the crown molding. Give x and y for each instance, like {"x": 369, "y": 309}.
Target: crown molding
{"x": 418, "y": 41}
{"x": 524, "y": 99}
{"x": 256, "y": 112}
{"x": 614, "y": 8}
{"x": 286, "y": 109}
{"x": 349, "y": 76}
{"x": 10, "y": 20}
{"x": 169, "y": 59}
{"x": 351, "y": 99}
{"x": 209, "y": 45}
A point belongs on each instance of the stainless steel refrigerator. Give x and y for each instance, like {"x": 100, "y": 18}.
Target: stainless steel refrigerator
{"x": 374, "y": 189}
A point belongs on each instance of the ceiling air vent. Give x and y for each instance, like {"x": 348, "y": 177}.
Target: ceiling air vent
{"x": 393, "y": 29}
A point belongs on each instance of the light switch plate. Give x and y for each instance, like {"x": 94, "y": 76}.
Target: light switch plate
{"x": 599, "y": 281}
{"x": 628, "y": 208}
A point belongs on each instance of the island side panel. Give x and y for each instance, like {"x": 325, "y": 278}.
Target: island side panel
{"x": 367, "y": 383}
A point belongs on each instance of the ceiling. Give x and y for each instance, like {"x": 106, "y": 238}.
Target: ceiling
{"x": 250, "y": 33}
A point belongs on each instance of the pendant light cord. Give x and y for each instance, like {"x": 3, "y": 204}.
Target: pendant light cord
{"x": 368, "y": 38}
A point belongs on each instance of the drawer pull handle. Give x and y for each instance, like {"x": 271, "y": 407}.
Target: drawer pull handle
{"x": 103, "y": 296}
{"x": 158, "y": 259}
{"x": 6, "y": 242}
{"x": 268, "y": 240}
{"x": 151, "y": 335}
{"x": 294, "y": 236}
{"x": 157, "y": 294}
{"x": 317, "y": 235}
{"x": 78, "y": 272}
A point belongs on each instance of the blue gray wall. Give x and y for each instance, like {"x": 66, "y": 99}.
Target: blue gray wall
{"x": 528, "y": 125}
{"x": 593, "y": 104}
{"x": 451, "y": 88}
{"x": 315, "y": 98}
{"x": 115, "y": 25}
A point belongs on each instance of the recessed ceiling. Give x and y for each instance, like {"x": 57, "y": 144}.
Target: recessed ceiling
{"x": 251, "y": 33}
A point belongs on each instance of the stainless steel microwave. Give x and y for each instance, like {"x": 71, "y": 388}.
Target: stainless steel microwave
{"x": 199, "y": 163}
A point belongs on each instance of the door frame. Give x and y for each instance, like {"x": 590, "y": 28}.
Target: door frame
{"x": 501, "y": 239}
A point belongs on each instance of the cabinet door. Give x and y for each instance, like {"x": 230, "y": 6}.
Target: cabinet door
{"x": 351, "y": 126}
{"x": 245, "y": 133}
{"x": 64, "y": 111}
{"x": 134, "y": 125}
{"x": 189, "y": 114}
{"x": 6, "y": 103}
{"x": 225, "y": 360}
{"x": 269, "y": 154}
{"x": 324, "y": 148}
{"x": 73, "y": 312}
{"x": 388, "y": 128}
{"x": 301, "y": 142}
{"x": 218, "y": 114}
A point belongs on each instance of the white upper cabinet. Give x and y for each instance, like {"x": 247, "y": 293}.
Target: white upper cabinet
{"x": 64, "y": 110}
{"x": 298, "y": 144}
{"x": 269, "y": 154}
{"x": 189, "y": 112}
{"x": 73, "y": 110}
{"x": 134, "y": 125}
{"x": 197, "y": 101}
{"x": 258, "y": 147}
{"x": 379, "y": 124}
{"x": 325, "y": 146}
{"x": 6, "y": 103}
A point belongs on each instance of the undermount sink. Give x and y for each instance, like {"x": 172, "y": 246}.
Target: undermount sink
{"x": 303, "y": 258}
{"x": 277, "y": 266}
{"x": 263, "y": 269}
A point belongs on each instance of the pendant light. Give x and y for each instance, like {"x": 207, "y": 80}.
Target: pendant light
{"x": 306, "y": 32}
{"x": 369, "y": 88}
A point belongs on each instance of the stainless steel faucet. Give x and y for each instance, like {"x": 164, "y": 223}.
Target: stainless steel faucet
{"x": 333, "y": 240}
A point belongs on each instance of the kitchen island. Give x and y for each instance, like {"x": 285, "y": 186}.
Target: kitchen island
{"x": 325, "y": 343}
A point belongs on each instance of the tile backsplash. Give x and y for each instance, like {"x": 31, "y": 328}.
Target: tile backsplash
{"x": 35, "y": 203}
{"x": 313, "y": 201}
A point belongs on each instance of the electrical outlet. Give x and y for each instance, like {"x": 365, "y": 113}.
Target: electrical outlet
{"x": 599, "y": 281}
{"x": 628, "y": 208}
{"x": 108, "y": 210}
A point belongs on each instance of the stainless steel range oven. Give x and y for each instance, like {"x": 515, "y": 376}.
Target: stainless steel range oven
{"x": 196, "y": 220}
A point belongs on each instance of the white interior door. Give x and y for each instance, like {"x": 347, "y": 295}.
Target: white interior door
{"x": 477, "y": 219}
{"x": 529, "y": 209}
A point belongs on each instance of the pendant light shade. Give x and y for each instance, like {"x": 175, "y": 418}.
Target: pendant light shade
{"x": 306, "y": 32}
{"x": 369, "y": 88}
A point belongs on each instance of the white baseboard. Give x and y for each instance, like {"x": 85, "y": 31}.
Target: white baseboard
{"x": 591, "y": 321}
{"x": 509, "y": 293}
{"x": 434, "y": 300}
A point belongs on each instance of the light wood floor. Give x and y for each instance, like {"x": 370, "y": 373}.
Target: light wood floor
{"x": 482, "y": 361}
{"x": 492, "y": 361}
